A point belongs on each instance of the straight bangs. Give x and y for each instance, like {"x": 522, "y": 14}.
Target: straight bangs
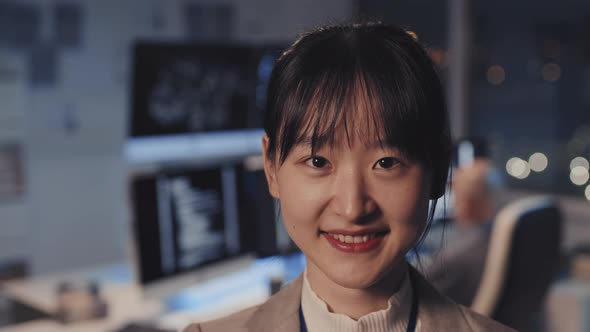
{"x": 356, "y": 95}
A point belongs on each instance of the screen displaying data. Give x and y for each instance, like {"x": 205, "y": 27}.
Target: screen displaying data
{"x": 185, "y": 219}
{"x": 190, "y": 88}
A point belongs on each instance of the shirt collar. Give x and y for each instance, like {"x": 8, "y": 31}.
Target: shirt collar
{"x": 393, "y": 318}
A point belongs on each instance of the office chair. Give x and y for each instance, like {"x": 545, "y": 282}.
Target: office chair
{"x": 522, "y": 261}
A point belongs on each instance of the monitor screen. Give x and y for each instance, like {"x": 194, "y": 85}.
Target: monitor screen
{"x": 180, "y": 88}
{"x": 186, "y": 220}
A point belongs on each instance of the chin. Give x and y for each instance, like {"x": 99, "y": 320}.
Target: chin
{"x": 364, "y": 278}
{"x": 356, "y": 280}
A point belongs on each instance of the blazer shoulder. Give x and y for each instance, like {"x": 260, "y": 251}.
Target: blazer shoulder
{"x": 233, "y": 322}
{"x": 278, "y": 313}
{"x": 439, "y": 313}
{"x": 479, "y": 322}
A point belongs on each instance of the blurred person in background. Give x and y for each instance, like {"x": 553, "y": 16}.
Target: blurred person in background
{"x": 457, "y": 270}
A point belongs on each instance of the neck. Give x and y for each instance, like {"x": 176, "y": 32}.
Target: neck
{"x": 356, "y": 302}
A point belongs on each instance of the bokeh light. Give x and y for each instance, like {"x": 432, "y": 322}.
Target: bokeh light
{"x": 518, "y": 168}
{"x": 579, "y": 161}
{"x": 538, "y": 162}
{"x": 551, "y": 72}
{"x": 496, "y": 75}
{"x": 579, "y": 175}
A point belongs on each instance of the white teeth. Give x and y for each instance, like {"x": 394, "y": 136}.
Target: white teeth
{"x": 353, "y": 239}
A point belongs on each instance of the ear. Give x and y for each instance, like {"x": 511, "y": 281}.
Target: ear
{"x": 269, "y": 169}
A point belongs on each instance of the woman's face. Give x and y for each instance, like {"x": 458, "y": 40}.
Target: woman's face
{"x": 353, "y": 208}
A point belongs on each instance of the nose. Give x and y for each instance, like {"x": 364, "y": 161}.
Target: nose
{"x": 351, "y": 199}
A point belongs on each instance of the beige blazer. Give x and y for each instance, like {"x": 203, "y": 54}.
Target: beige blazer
{"x": 281, "y": 313}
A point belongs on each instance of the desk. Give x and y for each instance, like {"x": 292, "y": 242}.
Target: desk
{"x": 120, "y": 292}
{"x": 208, "y": 300}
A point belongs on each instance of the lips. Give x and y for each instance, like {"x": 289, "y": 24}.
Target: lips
{"x": 355, "y": 242}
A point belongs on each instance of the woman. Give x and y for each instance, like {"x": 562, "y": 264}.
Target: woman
{"x": 357, "y": 142}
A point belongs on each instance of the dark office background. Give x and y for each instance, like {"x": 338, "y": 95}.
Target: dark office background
{"x": 65, "y": 82}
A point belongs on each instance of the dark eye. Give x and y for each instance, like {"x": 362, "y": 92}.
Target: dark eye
{"x": 386, "y": 163}
{"x": 317, "y": 162}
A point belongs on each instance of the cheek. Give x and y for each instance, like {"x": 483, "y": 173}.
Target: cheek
{"x": 406, "y": 208}
{"x": 300, "y": 199}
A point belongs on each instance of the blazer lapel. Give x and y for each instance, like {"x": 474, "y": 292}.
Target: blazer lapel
{"x": 435, "y": 311}
{"x": 280, "y": 312}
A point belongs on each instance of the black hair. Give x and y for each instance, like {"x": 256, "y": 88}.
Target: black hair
{"x": 320, "y": 82}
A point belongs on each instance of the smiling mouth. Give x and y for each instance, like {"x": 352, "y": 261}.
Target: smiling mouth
{"x": 353, "y": 238}
{"x": 357, "y": 243}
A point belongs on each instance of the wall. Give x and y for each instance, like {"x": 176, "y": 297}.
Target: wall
{"x": 72, "y": 117}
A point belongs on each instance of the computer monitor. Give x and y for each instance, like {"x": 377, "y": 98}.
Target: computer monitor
{"x": 257, "y": 205}
{"x": 199, "y": 208}
{"x": 185, "y": 88}
{"x": 194, "y": 224}
{"x": 195, "y": 103}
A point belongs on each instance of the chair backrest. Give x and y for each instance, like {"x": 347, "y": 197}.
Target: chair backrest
{"x": 522, "y": 261}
